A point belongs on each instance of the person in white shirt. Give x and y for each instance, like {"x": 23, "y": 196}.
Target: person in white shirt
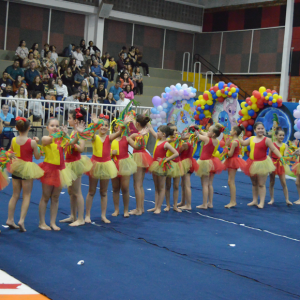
{"x": 78, "y": 56}
{"x": 54, "y": 55}
{"x": 61, "y": 90}
{"x": 74, "y": 99}
{"x": 36, "y": 107}
{"x": 122, "y": 102}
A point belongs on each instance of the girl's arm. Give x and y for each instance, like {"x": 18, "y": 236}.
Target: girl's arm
{"x": 36, "y": 151}
{"x": 175, "y": 153}
{"x": 271, "y": 146}
{"x": 245, "y": 142}
{"x": 151, "y": 130}
{"x": 106, "y": 93}
{"x": 115, "y": 135}
{"x": 202, "y": 138}
{"x": 233, "y": 146}
{"x": 81, "y": 146}
{"x": 132, "y": 143}
{"x": 46, "y": 140}
{"x": 1, "y": 126}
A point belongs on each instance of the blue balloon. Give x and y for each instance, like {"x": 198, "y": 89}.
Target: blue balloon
{"x": 165, "y": 110}
{"x": 270, "y": 98}
{"x": 195, "y": 113}
{"x": 155, "y": 128}
{"x": 221, "y": 85}
{"x": 220, "y": 149}
{"x": 229, "y": 84}
{"x": 275, "y": 105}
{"x": 178, "y": 86}
{"x": 199, "y": 108}
{"x": 265, "y": 103}
{"x": 237, "y": 90}
{"x": 197, "y": 122}
{"x": 202, "y": 116}
{"x": 226, "y": 92}
{"x": 296, "y": 128}
{"x": 248, "y": 148}
{"x": 265, "y": 94}
{"x": 153, "y": 110}
{"x": 234, "y": 95}
{"x": 167, "y": 90}
{"x": 215, "y": 96}
{"x": 246, "y": 104}
{"x": 194, "y": 90}
{"x": 165, "y": 95}
{"x": 251, "y": 112}
{"x": 164, "y": 124}
{"x": 249, "y": 128}
{"x": 206, "y": 106}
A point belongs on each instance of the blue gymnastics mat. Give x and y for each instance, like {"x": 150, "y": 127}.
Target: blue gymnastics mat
{"x": 241, "y": 253}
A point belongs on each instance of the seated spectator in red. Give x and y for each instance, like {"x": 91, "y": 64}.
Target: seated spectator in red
{"x": 22, "y": 52}
{"x": 78, "y": 56}
{"x": 126, "y": 81}
{"x": 14, "y": 70}
{"x": 5, "y": 81}
{"x": 128, "y": 93}
{"x": 37, "y": 85}
{"x": 31, "y": 73}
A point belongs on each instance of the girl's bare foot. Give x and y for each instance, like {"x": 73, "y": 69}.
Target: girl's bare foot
{"x": 260, "y": 205}
{"x": 115, "y": 214}
{"x": 136, "y": 212}
{"x": 167, "y": 208}
{"x": 55, "y": 227}
{"x": 77, "y": 223}
{"x": 157, "y": 211}
{"x": 44, "y": 227}
{"x": 105, "y": 220}
{"x": 288, "y": 202}
{"x": 126, "y": 214}
{"x": 12, "y": 225}
{"x": 151, "y": 209}
{"x": 230, "y": 204}
{"x": 253, "y": 203}
{"x": 177, "y": 209}
{"x": 297, "y": 202}
{"x": 202, "y": 206}
{"x": 87, "y": 219}
{"x": 67, "y": 220}
{"x": 180, "y": 204}
{"x": 22, "y": 227}
{"x": 209, "y": 205}
{"x": 186, "y": 207}
{"x": 271, "y": 202}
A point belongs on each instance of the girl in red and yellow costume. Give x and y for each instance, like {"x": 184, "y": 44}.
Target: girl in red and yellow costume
{"x": 259, "y": 164}
{"x": 57, "y": 175}
{"x": 103, "y": 168}
{"x": 143, "y": 161}
{"x": 209, "y": 165}
{"x": 4, "y": 160}
{"x": 189, "y": 165}
{"x": 162, "y": 164}
{"x": 233, "y": 162}
{"x": 126, "y": 166}
{"x": 23, "y": 171}
{"x": 281, "y": 170}
{"x": 79, "y": 164}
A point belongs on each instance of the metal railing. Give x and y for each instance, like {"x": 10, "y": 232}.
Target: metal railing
{"x": 43, "y": 110}
{"x": 188, "y": 64}
{"x": 199, "y": 75}
{"x": 211, "y": 74}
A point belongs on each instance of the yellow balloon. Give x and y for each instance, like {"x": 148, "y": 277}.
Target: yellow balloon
{"x": 219, "y": 93}
{"x": 267, "y": 97}
{"x": 254, "y": 106}
{"x": 243, "y": 119}
{"x": 202, "y": 106}
{"x": 274, "y": 100}
{"x": 279, "y": 97}
{"x": 249, "y": 107}
{"x": 245, "y": 111}
{"x": 269, "y": 94}
{"x": 243, "y": 104}
{"x": 217, "y": 154}
{"x": 233, "y": 90}
{"x": 262, "y": 89}
{"x": 275, "y": 96}
{"x": 227, "y": 88}
{"x": 256, "y": 109}
{"x": 253, "y": 99}
{"x": 210, "y": 102}
{"x": 206, "y": 113}
{"x": 229, "y": 93}
{"x": 248, "y": 118}
{"x": 202, "y": 102}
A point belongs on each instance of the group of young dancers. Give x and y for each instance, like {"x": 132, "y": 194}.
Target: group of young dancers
{"x": 172, "y": 160}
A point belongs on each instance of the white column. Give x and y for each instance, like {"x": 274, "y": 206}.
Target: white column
{"x": 100, "y": 33}
{"x": 6, "y": 25}
{"x": 94, "y": 30}
{"x": 288, "y": 32}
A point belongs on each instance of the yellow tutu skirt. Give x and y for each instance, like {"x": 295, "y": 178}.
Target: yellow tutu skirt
{"x": 186, "y": 165}
{"x": 103, "y": 170}
{"x": 176, "y": 170}
{"x": 4, "y": 180}
{"x": 156, "y": 169}
{"x": 205, "y": 166}
{"x": 142, "y": 159}
{"x": 67, "y": 177}
{"x": 81, "y": 166}
{"x": 25, "y": 169}
{"x": 263, "y": 167}
{"x": 126, "y": 166}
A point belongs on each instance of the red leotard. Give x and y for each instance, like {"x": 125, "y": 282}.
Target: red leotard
{"x": 278, "y": 165}
{"x": 235, "y": 162}
{"x": 260, "y": 151}
{"x": 26, "y": 151}
{"x": 105, "y": 152}
{"x": 72, "y": 154}
{"x": 160, "y": 151}
{"x": 123, "y": 148}
{"x": 188, "y": 154}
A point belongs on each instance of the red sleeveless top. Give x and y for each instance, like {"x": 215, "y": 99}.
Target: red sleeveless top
{"x": 123, "y": 148}
{"x": 160, "y": 151}
{"x": 259, "y": 151}
{"x": 185, "y": 154}
{"x": 106, "y": 149}
{"x": 207, "y": 151}
{"x": 237, "y": 149}
{"x": 23, "y": 152}
{"x": 72, "y": 154}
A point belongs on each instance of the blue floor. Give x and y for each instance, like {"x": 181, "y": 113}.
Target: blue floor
{"x": 167, "y": 256}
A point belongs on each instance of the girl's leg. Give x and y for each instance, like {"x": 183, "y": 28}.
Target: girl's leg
{"x": 176, "y": 182}
{"x": 231, "y": 184}
{"x": 103, "y": 195}
{"x": 125, "y": 192}
{"x": 79, "y": 203}
{"x": 47, "y": 192}
{"x": 27, "y": 188}
{"x": 54, "y": 207}
{"x": 298, "y": 188}
{"x": 262, "y": 190}
{"x": 142, "y": 189}
{"x": 116, "y": 185}
{"x": 187, "y": 192}
{"x": 285, "y": 189}
{"x": 138, "y": 179}
{"x": 73, "y": 205}
{"x": 182, "y": 202}
{"x": 210, "y": 191}
{"x": 155, "y": 178}
{"x": 204, "y": 182}
{"x": 89, "y": 198}
{"x": 254, "y": 181}
{"x": 271, "y": 188}
{"x": 161, "y": 183}
{"x": 17, "y": 187}
{"x": 168, "y": 192}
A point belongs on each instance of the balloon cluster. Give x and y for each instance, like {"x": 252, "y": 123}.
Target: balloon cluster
{"x": 205, "y": 103}
{"x": 296, "y": 115}
{"x": 163, "y": 104}
{"x": 259, "y": 99}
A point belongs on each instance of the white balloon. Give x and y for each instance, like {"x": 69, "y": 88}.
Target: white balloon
{"x": 189, "y": 90}
{"x": 298, "y": 107}
{"x": 297, "y": 135}
{"x": 153, "y": 122}
{"x": 184, "y": 102}
{"x": 295, "y": 122}
{"x": 159, "y": 124}
{"x": 165, "y": 105}
{"x": 185, "y": 86}
{"x": 159, "y": 108}
{"x": 158, "y": 119}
